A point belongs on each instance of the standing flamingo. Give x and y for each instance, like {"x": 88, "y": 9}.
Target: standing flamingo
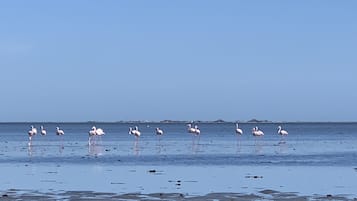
{"x": 238, "y": 130}
{"x": 32, "y": 132}
{"x": 91, "y": 133}
{"x": 198, "y": 131}
{"x": 99, "y": 132}
{"x": 135, "y": 132}
{"x": 196, "y": 135}
{"x": 59, "y": 131}
{"x": 190, "y": 129}
{"x": 95, "y": 132}
{"x": 159, "y": 131}
{"x": 281, "y": 131}
{"x": 257, "y": 132}
{"x": 43, "y": 131}
{"x": 193, "y": 130}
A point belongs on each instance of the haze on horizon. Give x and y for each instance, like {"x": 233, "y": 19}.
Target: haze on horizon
{"x": 178, "y": 60}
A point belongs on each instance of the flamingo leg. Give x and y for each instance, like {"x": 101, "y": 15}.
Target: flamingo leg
{"x": 30, "y": 141}
{"x": 100, "y": 139}
{"x": 62, "y": 147}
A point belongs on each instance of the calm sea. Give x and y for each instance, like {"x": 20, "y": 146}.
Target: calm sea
{"x": 308, "y": 144}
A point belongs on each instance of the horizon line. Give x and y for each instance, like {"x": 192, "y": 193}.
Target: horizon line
{"x": 179, "y": 121}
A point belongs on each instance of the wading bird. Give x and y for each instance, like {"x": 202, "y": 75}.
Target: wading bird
{"x": 193, "y": 130}
{"x": 135, "y": 132}
{"x": 32, "y": 132}
{"x": 257, "y": 132}
{"x": 93, "y": 133}
{"x": 238, "y": 130}
{"x": 159, "y": 131}
{"x": 281, "y": 131}
{"x": 59, "y": 131}
{"x": 43, "y": 131}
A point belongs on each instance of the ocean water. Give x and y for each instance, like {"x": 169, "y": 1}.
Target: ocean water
{"x": 314, "y": 159}
{"x": 308, "y": 144}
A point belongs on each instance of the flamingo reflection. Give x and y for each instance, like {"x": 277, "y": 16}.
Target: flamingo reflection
{"x": 95, "y": 150}
{"x": 136, "y": 148}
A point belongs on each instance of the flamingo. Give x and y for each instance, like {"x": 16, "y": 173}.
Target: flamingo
{"x": 95, "y": 132}
{"x": 193, "y": 130}
{"x": 257, "y": 132}
{"x": 91, "y": 133}
{"x": 43, "y": 131}
{"x": 159, "y": 131}
{"x": 238, "y": 130}
{"x": 281, "y": 131}
{"x": 197, "y": 132}
{"x": 190, "y": 129}
{"x": 59, "y": 131}
{"x": 100, "y": 132}
{"x": 135, "y": 132}
{"x": 31, "y": 133}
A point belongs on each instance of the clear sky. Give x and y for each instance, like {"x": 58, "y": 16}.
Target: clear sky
{"x": 182, "y": 60}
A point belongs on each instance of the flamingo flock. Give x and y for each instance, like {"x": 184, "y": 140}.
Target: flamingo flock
{"x": 33, "y": 131}
{"x": 98, "y": 132}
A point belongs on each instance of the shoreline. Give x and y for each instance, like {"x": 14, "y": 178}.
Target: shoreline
{"x": 266, "y": 194}
{"x": 76, "y": 181}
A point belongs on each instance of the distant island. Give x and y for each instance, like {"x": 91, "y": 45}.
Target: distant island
{"x": 188, "y": 121}
{"x": 167, "y": 121}
{"x": 259, "y": 121}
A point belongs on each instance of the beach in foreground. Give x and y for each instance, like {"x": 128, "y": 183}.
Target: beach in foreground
{"x": 108, "y": 182}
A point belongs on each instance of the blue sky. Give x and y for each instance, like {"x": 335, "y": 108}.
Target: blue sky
{"x": 181, "y": 60}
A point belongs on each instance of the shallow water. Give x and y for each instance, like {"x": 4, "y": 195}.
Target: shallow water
{"x": 307, "y": 144}
{"x": 315, "y": 158}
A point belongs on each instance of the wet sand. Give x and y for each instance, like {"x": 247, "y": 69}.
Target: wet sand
{"x": 15, "y": 194}
{"x": 111, "y": 182}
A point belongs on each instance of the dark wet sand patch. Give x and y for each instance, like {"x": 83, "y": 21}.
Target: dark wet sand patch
{"x": 267, "y": 194}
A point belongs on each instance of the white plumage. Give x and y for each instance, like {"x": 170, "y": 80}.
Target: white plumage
{"x": 281, "y": 131}
{"x": 193, "y": 130}
{"x": 134, "y": 131}
{"x": 43, "y": 131}
{"x": 238, "y": 130}
{"x": 31, "y": 133}
{"x": 257, "y": 132}
{"x": 59, "y": 131}
{"x": 94, "y": 132}
{"x": 159, "y": 131}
